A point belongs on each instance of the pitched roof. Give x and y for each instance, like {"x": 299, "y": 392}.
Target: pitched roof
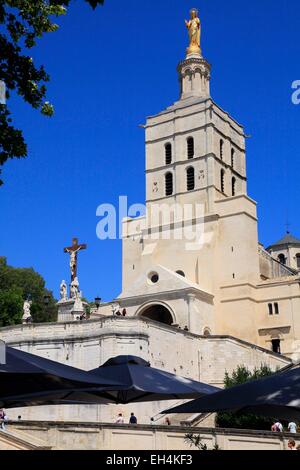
{"x": 288, "y": 239}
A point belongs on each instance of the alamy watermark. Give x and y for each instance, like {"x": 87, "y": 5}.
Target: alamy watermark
{"x": 296, "y": 93}
{"x": 155, "y": 222}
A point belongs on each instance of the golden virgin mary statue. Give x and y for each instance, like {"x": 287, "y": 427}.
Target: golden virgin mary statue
{"x": 194, "y": 27}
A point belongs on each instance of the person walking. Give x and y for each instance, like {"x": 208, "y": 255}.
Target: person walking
{"x": 132, "y": 419}
{"x": 292, "y": 427}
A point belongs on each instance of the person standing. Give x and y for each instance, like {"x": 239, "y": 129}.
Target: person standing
{"x": 132, "y": 419}
{"x": 120, "y": 419}
{"x": 292, "y": 444}
{"x": 277, "y": 427}
{"x": 292, "y": 427}
{"x": 3, "y": 418}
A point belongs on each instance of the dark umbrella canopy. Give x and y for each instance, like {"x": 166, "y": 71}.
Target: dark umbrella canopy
{"x": 144, "y": 383}
{"x": 277, "y": 396}
{"x": 123, "y": 379}
{"x": 30, "y": 376}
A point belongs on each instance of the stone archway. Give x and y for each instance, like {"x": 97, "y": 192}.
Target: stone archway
{"x": 157, "y": 312}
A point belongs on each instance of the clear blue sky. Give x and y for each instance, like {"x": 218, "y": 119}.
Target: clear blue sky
{"x": 109, "y": 70}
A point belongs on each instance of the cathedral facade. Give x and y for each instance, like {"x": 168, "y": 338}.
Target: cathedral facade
{"x": 222, "y": 281}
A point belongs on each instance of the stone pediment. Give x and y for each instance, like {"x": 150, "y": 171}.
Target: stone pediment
{"x": 159, "y": 280}
{"x": 274, "y": 330}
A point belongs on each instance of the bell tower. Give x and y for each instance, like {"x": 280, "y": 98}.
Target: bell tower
{"x": 195, "y": 151}
{"x": 195, "y": 158}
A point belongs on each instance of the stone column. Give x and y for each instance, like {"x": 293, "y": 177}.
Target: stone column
{"x": 190, "y": 300}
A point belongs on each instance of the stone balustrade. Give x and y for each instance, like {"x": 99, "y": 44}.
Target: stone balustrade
{"x": 98, "y": 436}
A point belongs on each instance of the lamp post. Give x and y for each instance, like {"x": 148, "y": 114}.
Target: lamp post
{"x": 46, "y": 299}
{"x": 2, "y": 92}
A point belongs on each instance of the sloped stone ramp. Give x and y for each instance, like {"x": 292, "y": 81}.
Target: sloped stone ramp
{"x": 20, "y": 441}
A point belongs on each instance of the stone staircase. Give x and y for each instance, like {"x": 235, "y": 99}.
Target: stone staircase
{"x": 187, "y": 419}
{"x": 12, "y": 440}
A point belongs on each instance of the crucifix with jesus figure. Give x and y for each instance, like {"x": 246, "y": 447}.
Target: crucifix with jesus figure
{"x": 73, "y": 250}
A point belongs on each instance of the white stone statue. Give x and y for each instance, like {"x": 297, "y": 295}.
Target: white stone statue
{"x": 63, "y": 291}
{"x": 74, "y": 289}
{"x": 27, "y": 318}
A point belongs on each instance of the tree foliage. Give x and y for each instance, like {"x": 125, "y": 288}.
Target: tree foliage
{"x": 239, "y": 420}
{"x": 195, "y": 440}
{"x": 22, "y": 23}
{"x": 19, "y": 284}
{"x": 11, "y": 303}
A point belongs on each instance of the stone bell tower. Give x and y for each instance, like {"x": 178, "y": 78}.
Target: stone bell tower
{"x": 196, "y": 176}
{"x": 195, "y": 152}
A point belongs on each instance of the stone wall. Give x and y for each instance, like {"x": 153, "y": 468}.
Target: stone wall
{"x": 20, "y": 441}
{"x": 83, "y": 436}
{"x": 87, "y": 345}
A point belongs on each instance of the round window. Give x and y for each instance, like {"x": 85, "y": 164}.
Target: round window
{"x": 153, "y": 277}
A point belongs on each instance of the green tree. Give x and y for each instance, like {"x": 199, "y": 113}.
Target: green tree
{"x": 18, "y": 284}
{"x": 240, "y": 420}
{"x": 22, "y": 23}
{"x": 11, "y": 303}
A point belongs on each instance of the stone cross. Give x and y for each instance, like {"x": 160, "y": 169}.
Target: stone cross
{"x": 73, "y": 250}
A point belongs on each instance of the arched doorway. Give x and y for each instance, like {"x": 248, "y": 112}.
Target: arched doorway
{"x": 157, "y": 312}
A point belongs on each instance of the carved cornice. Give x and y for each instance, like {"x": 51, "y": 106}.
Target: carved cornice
{"x": 193, "y": 61}
{"x": 193, "y": 65}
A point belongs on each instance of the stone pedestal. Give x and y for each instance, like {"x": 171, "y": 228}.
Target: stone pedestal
{"x": 70, "y": 310}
